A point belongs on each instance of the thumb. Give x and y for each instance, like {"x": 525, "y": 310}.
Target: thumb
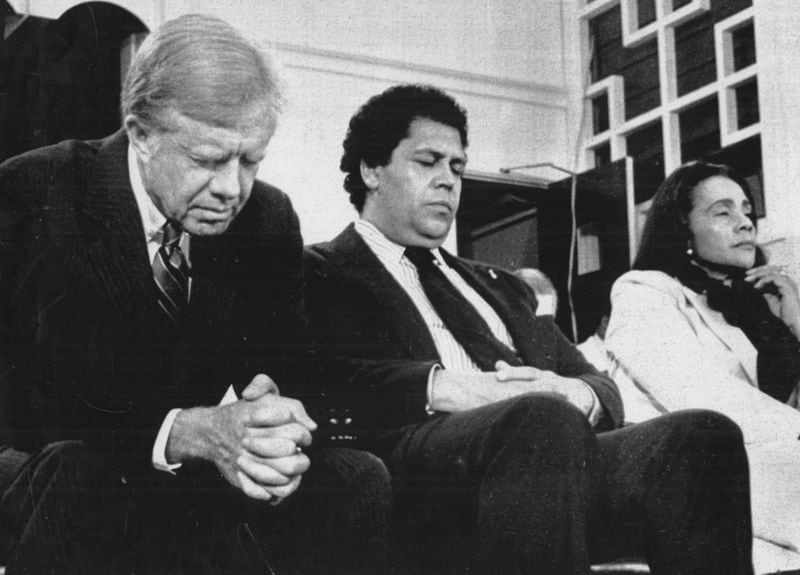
{"x": 502, "y": 370}
{"x": 301, "y": 417}
{"x": 259, "y": 386}
{"x": 500, "y": 365}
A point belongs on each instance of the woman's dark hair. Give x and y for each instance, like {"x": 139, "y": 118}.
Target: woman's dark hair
{"x": 666, "y": 233}
{"x": 384, "y": 120}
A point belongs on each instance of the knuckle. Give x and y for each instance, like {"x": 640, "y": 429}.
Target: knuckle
{"x": 303, "y": 462}
{"x": 283, "y": 490}
{"x": 296, "y": 431}
{"x": 269, "y": 474}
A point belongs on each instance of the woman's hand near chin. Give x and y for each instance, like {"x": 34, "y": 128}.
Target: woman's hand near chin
{"x": 781, "y": 293}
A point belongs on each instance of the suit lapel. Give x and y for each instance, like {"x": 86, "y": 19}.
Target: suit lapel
{"x": 113, "y": 235}
{"x": 211, "y": 299}
{"x": 733, "y": 337}
{"x": 518, "y": 319}
{"x": 355, "y": 259}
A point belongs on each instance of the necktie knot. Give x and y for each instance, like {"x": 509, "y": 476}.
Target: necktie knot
{"x": 420, "y": 257}
{"x": 172, "y": 231}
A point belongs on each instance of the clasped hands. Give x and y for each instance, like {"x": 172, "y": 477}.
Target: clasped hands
{"x": 455, "y": 390}
{"x": 573, "y": 390}
{"x": 255, "y": 442}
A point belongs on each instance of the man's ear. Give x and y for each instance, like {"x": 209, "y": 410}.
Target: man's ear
{"x": 370, "y": 176}
{"x": 141, "y": 136}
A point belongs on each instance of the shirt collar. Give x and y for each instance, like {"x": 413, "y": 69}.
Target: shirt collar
{"x": 152, "y": 219}
{"x": 379, "y": 243}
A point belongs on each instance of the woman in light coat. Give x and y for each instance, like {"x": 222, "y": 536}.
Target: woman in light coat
{"x": 704, "y": 322}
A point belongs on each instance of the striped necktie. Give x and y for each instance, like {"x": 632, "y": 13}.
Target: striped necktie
{"x": 171, "y": 272}
{"x": 458, "y": 315}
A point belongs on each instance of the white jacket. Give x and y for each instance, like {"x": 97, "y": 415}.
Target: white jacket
{"x": 670, "y": 351}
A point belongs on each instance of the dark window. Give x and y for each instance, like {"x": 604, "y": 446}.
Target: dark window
{"x": 745, "y": 157}
{"x": 605, "y": 33}
{"x": 694, "y": 46}
{"x": 646, "y": 147}
{"x": 725, "y": 8}
{"x": 646, "y": 12}
{"x": 694, "y": 54}
{"x": 600, "y": 113}
{"x": 641, "y": 80}
{"x": 744, "y": 47}
{"x": 602, "y": 155}
{"x": 609, "y": 57}
{"x": 638, "y": 66}
{"x": 747, "y": 104}
{"x": 699, "y": 129}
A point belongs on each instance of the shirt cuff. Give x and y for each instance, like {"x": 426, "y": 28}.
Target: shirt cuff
{"x": 596, "y": 412}
{"x": 229, "y": 397}
{"x": 160, "y": 446}
{"x": 429, "y": 392}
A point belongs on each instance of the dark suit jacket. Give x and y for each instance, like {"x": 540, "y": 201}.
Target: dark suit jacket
{"x": 85, "y": 352}
{"x": 357, "y": 310}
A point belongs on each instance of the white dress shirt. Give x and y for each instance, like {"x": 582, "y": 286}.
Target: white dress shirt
{"x": 391, "y": 255}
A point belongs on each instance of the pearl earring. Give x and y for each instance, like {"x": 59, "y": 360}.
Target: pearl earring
{"x": 689, "y": 252}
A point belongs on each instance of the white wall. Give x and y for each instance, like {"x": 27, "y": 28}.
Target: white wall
{"x": 304, "y": 158}
{"x": 777, "y": 24}
{"x": 502, "y": 59}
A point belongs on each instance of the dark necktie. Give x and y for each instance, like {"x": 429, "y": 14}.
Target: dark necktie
{"x": 458, "y": 315}
{"x": 171, "y": 272}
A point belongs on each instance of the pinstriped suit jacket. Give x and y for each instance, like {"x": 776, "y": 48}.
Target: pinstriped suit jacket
{"x": 85, "y": 352}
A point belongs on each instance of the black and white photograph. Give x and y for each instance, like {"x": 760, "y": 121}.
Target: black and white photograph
{"x": 373, "y": 287}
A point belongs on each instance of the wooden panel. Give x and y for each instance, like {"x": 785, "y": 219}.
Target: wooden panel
{"x": 600, "y": 201}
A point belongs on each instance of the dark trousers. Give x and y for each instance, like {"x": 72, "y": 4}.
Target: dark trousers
{"x": 67, "y": 510}
{"x": 525, "y": 486}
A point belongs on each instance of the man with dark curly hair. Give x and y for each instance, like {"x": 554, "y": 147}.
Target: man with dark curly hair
{"x": 502, "y": 439}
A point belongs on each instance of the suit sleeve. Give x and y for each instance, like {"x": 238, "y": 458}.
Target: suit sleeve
{"x": 571, "y": 363}
{"x": 652, "y": 339}
{"x": 566, "y": 360}
{"x": 369, "y": 379}
{"x": 16, "y": 216}
{"x": 52, "y": 358}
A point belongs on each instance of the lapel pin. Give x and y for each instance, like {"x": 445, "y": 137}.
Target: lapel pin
{"x": 492, "y": 274}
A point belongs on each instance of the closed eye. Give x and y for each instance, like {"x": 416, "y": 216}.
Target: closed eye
{"x": 208, "y": 163}
{"x": 431, "y": 159}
